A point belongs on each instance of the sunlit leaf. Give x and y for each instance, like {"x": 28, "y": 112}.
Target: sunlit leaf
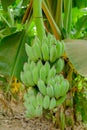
{"x": 76, "y": 51}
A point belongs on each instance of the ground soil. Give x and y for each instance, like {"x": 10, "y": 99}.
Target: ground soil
{"x": 12, "y": 117}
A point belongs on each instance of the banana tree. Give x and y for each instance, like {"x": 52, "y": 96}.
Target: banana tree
{"x": 59, "y": 24}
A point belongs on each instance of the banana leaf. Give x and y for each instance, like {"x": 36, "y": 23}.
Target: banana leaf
{"x": 12, "y": 54}
{"x": 76, "y": 51}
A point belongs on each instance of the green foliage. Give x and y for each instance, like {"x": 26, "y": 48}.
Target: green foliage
{"x": 80, "y": 97}
{"x": 6, "y": 3}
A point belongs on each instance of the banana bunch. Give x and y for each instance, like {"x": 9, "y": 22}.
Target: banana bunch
{"x": 41, "y": 73}
{"x": 34, "y": 52}
{"x": 33, "y": 103}
{"x": 52, "y": 49}
{"x": 60, "y": 89}
{"x": 27, "y": 75}
{"x": 33, "y": 71}
{"x": 49, "y": 50}
{"x": 57, "y": 86}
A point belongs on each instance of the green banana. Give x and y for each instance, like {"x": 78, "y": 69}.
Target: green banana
{"x": 29, "y": 52}
{"x": 38, "y": 111}
{"x": 67, "y": 85}
{"x": 52, "y": 41}
{"x": 59, "y": 65}
{"x": 39, "y": 65}
{"x": 64, "y": 87}
{"x": 32, "y": 65}
{"x": 51, "y": 81}
{"x": 32, "y": 100}
{"x": 35, "y": 75}
{"x": 46, "y": 102}
{"x": 42, "y": 87}
{"x": 51, "y": 73}
{"x": 23, "y": 78}
{"x": 53, "y": 53}
{"x": 45, "y": 52}
{"x": 45, "y": 40}
{"x": 57, "y": 90}
{"x": 59, "y": 49}
{"x": 30, "y": 110}
{"x": 50, "y": 91}
{"x": 47, "y": 67}
{"x": 37, "y": 51}
{"x": 43, "y": 73}
{"x": 52, "y": 103}
{"x": 26, "y": 67}
{"x": 37, "y": 40}
{"x": 39, "y": 99}
{"x": 29, "y": 78}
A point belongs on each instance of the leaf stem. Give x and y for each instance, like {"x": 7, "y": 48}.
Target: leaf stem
{"x": 37, "y": 14}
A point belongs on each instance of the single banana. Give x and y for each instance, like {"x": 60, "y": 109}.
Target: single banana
{"x": 29, "y": 78}
{"x": 32, "y": 100}
{"x": 59, "y": 65}
{"x": 65, "y": 87}
{"x": 46, "y": 102}
{"x": 42, "y": 87}
{"x": 26, "y": 67}
{"x": 52, "y": 41}
{"x": 50, "y": 91}
{"x": 38, "y": 111}
{"x": 35, "y": 75}
{"x": 29, "y": 52}
{"x": 23, "y": 78}
{"x": 30, "y": 110}
{"x": 51, "y": 73}
{"x": 59, "y": 49}
{"x": 39, "y": 64}
{"x": 35, "y": 52}
{"x": 39, "y": 99}
{"x": 32, "y": 65}
{"x": 52, "y": 103}
{"x": 47, "y": 68}
{"x": 57, "y": 88}
{"x": 45, "y": 52}
{"x": 43, "y": 73}
{"x": 53, "y": 53}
